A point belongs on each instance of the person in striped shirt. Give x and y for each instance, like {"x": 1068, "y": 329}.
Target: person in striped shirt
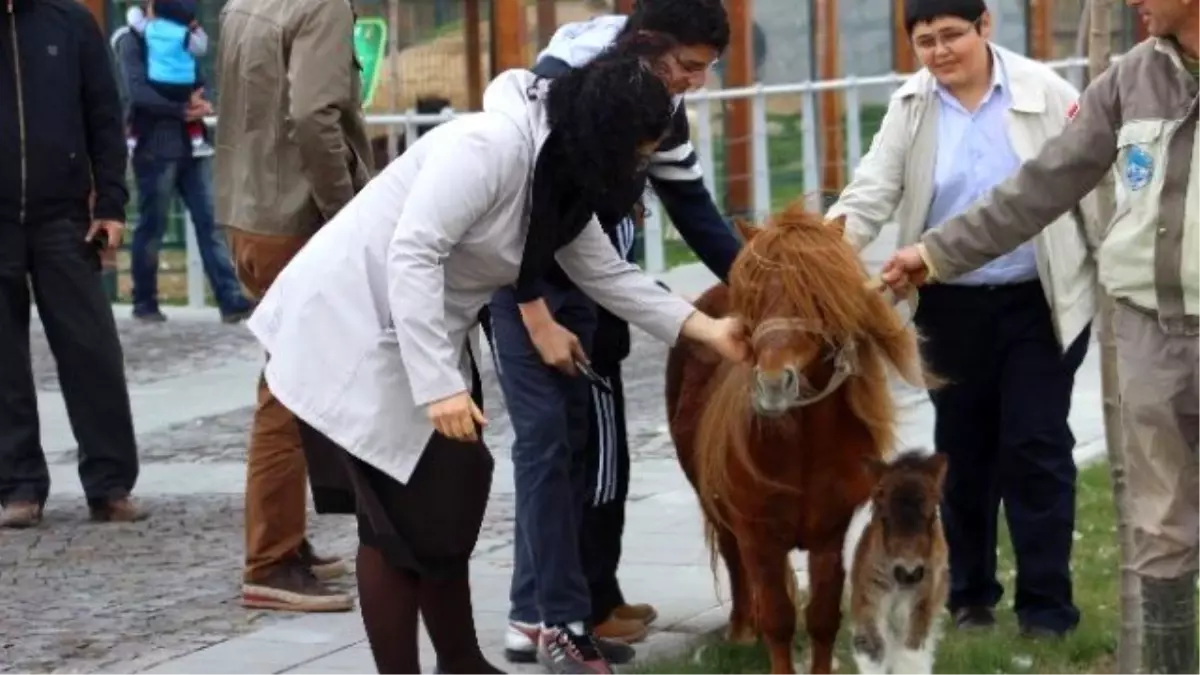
{"x": 543, "y": 326}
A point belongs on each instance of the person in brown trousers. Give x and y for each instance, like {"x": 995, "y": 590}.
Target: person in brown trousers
{"x": 292, "y": 150}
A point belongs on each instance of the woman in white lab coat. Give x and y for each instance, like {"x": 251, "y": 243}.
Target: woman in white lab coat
{"x": 371, "y": 327}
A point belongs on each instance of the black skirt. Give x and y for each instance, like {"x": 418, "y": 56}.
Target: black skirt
{"x": 428, "y": 525}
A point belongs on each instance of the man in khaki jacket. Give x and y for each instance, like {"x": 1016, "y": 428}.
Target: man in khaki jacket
{"x": 1139, "y": 117}
{"x": 292, "y": 150}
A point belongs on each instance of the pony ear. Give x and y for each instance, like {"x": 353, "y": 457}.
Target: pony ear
{"x": 838, "y": 223}
{"x": 875, "y": 468}
{"x": 936, "y": 465}
{"x": 745, "y": 229}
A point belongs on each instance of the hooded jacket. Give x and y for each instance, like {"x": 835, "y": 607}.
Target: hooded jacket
{"x": 370, "y": 322}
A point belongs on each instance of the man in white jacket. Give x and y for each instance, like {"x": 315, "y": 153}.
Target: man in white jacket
{"x": 1008, "y": 337}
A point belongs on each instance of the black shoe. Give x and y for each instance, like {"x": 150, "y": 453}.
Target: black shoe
{"x": 974, "y": 618}
{"x": 1034, "y": 632}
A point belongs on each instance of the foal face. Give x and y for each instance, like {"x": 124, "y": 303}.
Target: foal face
{"x": 906, "y": 503}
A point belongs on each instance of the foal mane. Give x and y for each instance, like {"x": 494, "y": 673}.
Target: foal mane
{"x": 799, "y": 266}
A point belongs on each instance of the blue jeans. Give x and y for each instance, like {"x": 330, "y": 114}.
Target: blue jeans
{"x": 158, "y": 180}
{"x": 549, "y": 413}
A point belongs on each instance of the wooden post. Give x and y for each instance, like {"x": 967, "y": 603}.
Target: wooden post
{"x": 903, "y": 59}
{"x": 508, "y": 35}
{"x": 472, "y": 25}
{"x": 1040, "y": 22}
{"x": 738, "y": 140}
{"x": 547, "y": 21}
{"x": 833, "y": 149}
{"x": 1129, "y": 642}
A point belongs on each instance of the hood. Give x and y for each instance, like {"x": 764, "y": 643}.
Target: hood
{"x": 520, "y": 96}
{"x": 577, "y": 43}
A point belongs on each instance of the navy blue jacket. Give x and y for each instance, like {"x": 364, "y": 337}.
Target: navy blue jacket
{"x": 61, "y": 131}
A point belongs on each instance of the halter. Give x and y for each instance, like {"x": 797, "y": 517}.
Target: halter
{"x": 845, "y": 359}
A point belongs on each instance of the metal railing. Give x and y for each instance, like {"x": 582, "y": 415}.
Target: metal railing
{"x": 701, "y": 103}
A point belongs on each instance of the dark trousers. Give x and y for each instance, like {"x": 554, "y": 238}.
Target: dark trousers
{"x": 65, "y": 276}
{"x": 549, "y": 417}
{"x": 607, "y": 490}
{"x": 1002, "y": 423}
{"x": 158, "y": 181}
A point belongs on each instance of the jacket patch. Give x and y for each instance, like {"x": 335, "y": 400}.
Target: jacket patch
{"x": 1139, "y": 167}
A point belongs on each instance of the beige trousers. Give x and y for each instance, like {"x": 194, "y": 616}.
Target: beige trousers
{"x": 1160, "y": 411}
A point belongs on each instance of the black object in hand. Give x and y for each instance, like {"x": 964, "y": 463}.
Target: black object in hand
{"x": 99, "y": 241}
{"x": 590, "y": 374}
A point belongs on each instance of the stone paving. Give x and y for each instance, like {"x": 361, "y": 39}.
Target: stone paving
{"x": 126, "y": 598}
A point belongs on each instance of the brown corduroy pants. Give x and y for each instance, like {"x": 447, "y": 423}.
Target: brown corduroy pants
{"x": 276, "y": 480}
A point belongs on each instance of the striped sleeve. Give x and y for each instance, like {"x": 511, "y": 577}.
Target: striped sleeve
{"x": 675, "y": 159}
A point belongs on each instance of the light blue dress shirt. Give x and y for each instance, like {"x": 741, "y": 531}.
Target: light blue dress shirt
{"x": 973, "y": 156}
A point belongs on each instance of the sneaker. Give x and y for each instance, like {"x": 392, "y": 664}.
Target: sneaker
{"x": 154, "y": 316}
{"x": 21, "y": 515}
{"x": 323, "y": 568}
{"x": 570, "y": 649}
{"x": 294, "y": 588}
{"x": 642, "y": 612}
{"x": 521, "y": 645}
{"x": 201, "y": 148}
{"x": 121, "y": 510}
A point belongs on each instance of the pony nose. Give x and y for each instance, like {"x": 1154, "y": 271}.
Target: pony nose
{"x": 906, "y": 576}
{"x": 786, "y": 381}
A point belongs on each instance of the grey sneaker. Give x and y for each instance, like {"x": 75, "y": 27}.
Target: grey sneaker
{"x": 570, "y": 649}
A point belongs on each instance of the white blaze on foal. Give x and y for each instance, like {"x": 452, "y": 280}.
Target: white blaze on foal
{"x": 895, "y": 555}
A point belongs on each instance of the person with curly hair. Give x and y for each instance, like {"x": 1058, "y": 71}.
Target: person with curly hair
{"x": 571, "y": 451}
{"x": 371, "y": 327}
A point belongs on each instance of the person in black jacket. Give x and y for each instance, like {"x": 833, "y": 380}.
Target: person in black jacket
{"x": 62, "y": 199}
{"x": 543, "y": 325}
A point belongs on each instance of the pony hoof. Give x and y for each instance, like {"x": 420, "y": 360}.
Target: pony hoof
{"x": 740, "y": 635}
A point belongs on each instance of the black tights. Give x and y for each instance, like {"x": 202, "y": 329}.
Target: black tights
{"x": 390, "y": 599}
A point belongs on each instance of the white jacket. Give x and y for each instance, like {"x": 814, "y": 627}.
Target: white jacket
{"x": 894, "y": 181}
{"x": 370, "y": 321}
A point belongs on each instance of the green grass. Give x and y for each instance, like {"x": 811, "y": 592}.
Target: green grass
{"x": 1089, "y": 649}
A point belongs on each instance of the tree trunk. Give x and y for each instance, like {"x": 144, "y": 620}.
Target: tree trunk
{"x": 1129, "y": 646}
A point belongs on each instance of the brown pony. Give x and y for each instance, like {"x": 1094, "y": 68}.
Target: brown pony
{"x": 779, "y": 451}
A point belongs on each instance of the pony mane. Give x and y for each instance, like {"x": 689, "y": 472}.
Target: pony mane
{"x": 799, "y": 266}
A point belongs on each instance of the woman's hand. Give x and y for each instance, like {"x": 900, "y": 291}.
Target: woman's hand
{"x": 727, "y": 336}
{"x": 455, "y": 417}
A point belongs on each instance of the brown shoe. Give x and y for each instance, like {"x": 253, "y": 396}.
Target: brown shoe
{"x": 323, "y": 568}
{"x": 20, "y": 515}
{"x": 121, "y": 510}
{"x": 293, "y": 588}
{"x": 620, "y": 630}
{"x": 642, "y": 612}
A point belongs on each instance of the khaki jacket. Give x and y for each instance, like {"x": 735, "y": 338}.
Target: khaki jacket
{"x": 292, "y": 146}
{"x": 1138, "y": 118}
{"x": 894, "y": 179}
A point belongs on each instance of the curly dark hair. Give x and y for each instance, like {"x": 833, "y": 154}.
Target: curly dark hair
{"x": 603, "y": 111}
{"x": 689, "y": 22}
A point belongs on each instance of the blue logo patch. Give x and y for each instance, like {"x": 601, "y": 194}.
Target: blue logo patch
{"x": 1139, "y": 168}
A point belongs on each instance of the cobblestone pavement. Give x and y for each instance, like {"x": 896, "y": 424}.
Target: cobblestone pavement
{"x": 155, "y": 352}
{"x": 82, "y": 597}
